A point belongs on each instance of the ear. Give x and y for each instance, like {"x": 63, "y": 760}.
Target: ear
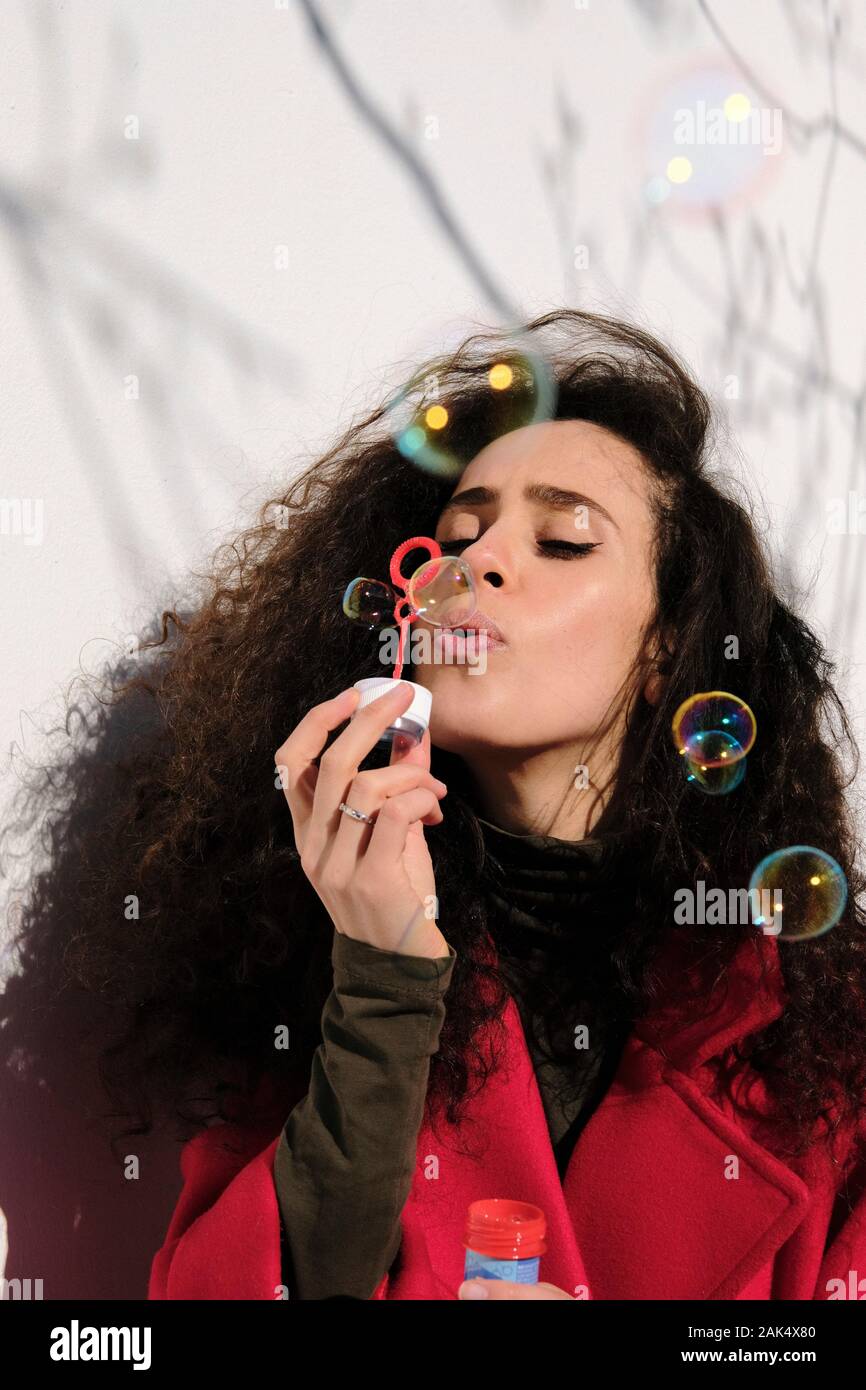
{"x": 654, "y": 688}
{"x": 657, "y": 678}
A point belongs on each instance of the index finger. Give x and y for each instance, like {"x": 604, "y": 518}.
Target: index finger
{"x": 305, "y": 743}
{"x": 295, "y": 758}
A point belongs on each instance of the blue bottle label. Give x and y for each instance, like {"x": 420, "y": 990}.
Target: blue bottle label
{"x": 485, "y": 1267}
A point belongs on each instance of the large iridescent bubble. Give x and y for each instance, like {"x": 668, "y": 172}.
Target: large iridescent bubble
{"x": 714, "y": 728}
{"x": 713, "y": 731}
{"x": 430, "y": 419}
{"x": 799, "y": 892}
{"x": 442, "y": 591}
{"x": 706, "y": 140}
{"x": 709, "y": 770}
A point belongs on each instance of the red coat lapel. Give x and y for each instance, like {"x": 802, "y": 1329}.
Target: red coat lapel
{"x": 649, "y": 1206}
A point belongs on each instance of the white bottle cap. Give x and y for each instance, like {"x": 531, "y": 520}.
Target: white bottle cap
{"x": 373, "y": 687}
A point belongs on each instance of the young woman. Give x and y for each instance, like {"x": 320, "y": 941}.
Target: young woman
{"x": 685, "y": 1103}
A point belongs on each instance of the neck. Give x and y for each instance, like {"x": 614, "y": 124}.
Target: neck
{"x": 523, "y": 793}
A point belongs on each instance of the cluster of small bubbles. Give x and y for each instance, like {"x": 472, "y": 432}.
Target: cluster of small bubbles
{"x": 441, "y": 591}
{"x": 518, "y": 388}
{"x": 713, "y": 731}
{"x": 805, "y": 890}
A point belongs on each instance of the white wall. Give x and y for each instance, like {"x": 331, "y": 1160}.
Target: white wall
{"x": 448, "y": 161}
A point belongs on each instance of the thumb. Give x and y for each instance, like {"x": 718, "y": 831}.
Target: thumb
{"x": 416, "y": 753}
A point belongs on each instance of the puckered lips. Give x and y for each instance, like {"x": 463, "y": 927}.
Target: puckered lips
{"x": 486, "y": 634}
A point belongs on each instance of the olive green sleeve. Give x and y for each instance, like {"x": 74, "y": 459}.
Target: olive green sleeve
{"x": 344, "y": 1163}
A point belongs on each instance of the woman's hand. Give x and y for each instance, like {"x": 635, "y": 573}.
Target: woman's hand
{"x": 505, "y": 1288}
{"x": 376, "y": 881}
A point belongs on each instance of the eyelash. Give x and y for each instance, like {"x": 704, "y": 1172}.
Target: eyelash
{"x": 562, "y": 550}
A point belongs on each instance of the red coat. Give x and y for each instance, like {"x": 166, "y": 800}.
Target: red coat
{"x": 647, "y": 1209}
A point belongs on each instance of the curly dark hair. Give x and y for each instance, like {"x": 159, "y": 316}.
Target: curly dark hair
{"x": 166, "y": 795}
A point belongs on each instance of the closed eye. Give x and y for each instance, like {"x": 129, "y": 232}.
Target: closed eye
{"x": 560, "y": 550}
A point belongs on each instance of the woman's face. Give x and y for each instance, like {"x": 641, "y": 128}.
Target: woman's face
{"x": 565, "y": 574}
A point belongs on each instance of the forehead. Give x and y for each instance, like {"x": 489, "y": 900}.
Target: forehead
{"x": 567, "y": 453}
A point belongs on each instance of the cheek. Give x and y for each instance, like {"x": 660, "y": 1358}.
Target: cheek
{"x": 576, "y": 616}
{"x": 592, "y": 628}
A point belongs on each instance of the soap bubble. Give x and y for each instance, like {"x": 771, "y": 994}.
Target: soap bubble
{"x": 714, "y": 729}
{"x": 370, "y": 601}
{"x": 717, "y": 777}
{"x": 705, "y": 143}
{"x": 429, "y": 426}
{"x": 441, "y": 591}
{"x": 813, "y": 893}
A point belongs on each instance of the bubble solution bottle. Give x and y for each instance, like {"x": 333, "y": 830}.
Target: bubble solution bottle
{"x": 407, "y": 729}
{"x": 504, "y": 1240}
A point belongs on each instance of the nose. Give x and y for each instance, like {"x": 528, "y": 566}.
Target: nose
{"x": 489, "y": 564}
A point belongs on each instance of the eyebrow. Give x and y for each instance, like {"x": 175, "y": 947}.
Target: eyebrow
{"x": 555, "y": 498}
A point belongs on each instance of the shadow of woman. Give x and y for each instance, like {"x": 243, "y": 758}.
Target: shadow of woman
{"x": 85, "y": 1205}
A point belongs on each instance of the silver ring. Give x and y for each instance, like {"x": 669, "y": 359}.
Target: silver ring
{"x": 356, "y": 815}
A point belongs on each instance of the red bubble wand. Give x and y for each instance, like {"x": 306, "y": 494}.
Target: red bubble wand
{"x": 432, "y": 592}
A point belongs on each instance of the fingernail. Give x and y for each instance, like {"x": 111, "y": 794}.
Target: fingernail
{"x": 472, "y": 1288}
{"x": 440, "y": 784}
